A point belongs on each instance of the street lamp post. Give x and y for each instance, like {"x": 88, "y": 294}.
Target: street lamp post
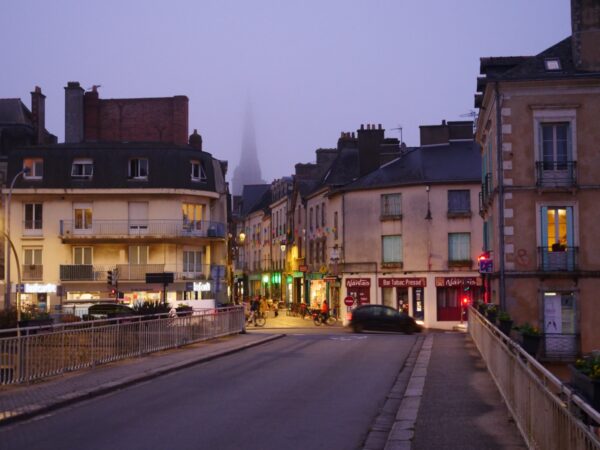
{"x": 8, "y": 242}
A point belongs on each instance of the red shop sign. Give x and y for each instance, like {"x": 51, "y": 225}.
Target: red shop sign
{"x": 402, "y": 282}
{"x": 358, "y": 282}
{"x": 457, "y": 281}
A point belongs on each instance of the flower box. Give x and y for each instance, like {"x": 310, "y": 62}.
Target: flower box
{"x": 587, "y": 387}
{"x": 531, "y": 343}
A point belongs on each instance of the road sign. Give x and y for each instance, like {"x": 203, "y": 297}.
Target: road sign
{"x": 349, "y": 301}
{"x": 486, "y": 266}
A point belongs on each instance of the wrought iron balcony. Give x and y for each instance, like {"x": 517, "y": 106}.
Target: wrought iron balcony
{"x": 159, "y": 229}
{"x": 32, "y": 272}
{"x": 557, "y": 258}
{"x": 553, "y": 174}
{"x": 137, "y": 272}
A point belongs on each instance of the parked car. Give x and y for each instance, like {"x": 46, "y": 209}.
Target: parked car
{"x": 382, "y": 318}
{"x": 109, "y": 311}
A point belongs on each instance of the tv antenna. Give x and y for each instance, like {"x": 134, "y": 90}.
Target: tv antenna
{"x": 473, "y": 115}
{"x": 399, "y": 128}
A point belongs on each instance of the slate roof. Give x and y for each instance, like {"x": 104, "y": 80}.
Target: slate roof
{"x": 253, "y": 196}
{"x": 344, "y": 168}
{"x": 14, "y": 112}
{"x": 455, "y": 162}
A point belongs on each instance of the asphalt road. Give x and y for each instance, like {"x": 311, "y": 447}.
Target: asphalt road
{"x": 306, "y": 391}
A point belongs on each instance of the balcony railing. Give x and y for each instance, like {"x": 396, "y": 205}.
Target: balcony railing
{"x": 557, "y": 258}
{"x": 553, "y": 174}
{"x": 149, "y": 228}
{"x": 32, "y": 272}
{"x": 137, "y": 272}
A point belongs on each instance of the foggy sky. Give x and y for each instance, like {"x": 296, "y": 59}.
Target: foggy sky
{"x": 310, "y": 68}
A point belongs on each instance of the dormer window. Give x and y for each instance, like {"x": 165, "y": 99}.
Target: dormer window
{"x": 138, "y": 169}
{"x": 82, "y": 168}
{"x": 36, "y": 168}
{"x": 198, "y": 172}
{"x": 552, "y": 64}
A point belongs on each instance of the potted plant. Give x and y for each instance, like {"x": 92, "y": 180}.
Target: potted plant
{"x": 481, "y": 306}
{"x": 530, "y": 338}
{"x": 585, "y": 378}
{"x": 505, "y": 322}
{"x": 491, "y": 312}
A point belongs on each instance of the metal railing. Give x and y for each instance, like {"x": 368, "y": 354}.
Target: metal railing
{"x": 554, "y": 174}
{"x": 34, "y": 353}
{"x": 32, "y": 271}
{"x": 557, "y": 258}
{"x": 549, "y": 414}
{"x": 89, "y": 272}
{"x": 147, "y": 228}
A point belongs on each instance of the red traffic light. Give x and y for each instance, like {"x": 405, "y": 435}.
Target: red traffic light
{"x": 465, "y": 300}
{"x": 483, "y": 256}
{"x": 113, "y": 291}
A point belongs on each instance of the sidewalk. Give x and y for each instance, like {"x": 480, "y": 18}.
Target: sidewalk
{"x": 25, "y": 401}
{"x": 285, "y": 321}
{"x": 451, "y": 401}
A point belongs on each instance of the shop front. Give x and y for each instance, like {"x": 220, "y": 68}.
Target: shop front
{"x": 333, "y": 291}
{"x": 254, "y": 284}
{"x": 317, "y": 290}
{"x": 38, "y": 296}
{"x": 395, "y": 292}
{"x": 454, "y": 295}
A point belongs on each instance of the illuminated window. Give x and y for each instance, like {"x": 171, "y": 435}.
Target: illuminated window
{"x": 36, "y": 168}
{"x": 552, "y": 64}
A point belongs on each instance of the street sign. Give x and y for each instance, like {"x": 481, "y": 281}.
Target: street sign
{"x": 486, "y": 266}
{"x": 160, "y": 278}
{"x": 349, "y": 301}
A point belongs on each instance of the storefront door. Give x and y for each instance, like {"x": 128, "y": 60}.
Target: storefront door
{"x": 402, "y": 299}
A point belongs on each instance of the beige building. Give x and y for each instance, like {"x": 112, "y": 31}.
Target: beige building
{"x": 538, "y": 130}
{"x": 407, "y": 235}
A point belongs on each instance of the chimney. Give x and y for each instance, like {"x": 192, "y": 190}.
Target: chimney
{"x": 195, "y": 140}
{"x": 38, "y": 111}
{"x": 369, "y": 148}
{"x": 585, "y": 42}
{"x": 91, "y": 114}
{"x": 73, "y": 112}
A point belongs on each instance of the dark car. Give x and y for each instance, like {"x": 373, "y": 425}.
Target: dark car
{"x": 109, "y": 311}
{"x": 382, "y": 318}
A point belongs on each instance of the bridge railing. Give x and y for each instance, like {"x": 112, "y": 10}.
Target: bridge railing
{"x": 34, "y": 353}
{"x": 547, "y": 412}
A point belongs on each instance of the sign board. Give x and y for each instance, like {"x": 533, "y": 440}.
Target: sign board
{"x": 160, "y": 278}
{"x": 457, "y": 281}
{"x": 402, "y": 282}
{"x": 486, "y": 266}
{"x": 303, "y": 268}
{"x": 349, "y": 301}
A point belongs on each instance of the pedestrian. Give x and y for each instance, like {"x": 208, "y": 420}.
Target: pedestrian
{"x": 264, "y": 306}
{"x": 325, "y": 311}
{"x": 172, "y": 312}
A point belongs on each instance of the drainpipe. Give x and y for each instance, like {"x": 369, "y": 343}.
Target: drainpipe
{"x": 502, "y": 285}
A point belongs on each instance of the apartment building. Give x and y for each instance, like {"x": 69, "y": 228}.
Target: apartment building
{"x": 538, "y": 133}
{"x": 93, "y": 211}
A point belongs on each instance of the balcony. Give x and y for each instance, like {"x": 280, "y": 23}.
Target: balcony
{"x": 556, "y": 175}
{"x": 32, "y": 272}
{"x": 137, "y": 272}
{"x": 460, "y": 263}
{"x": 146, "y": 230}
{"x": 557, "y": 258}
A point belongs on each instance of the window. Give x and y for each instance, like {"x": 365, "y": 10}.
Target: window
{"x": 391, "y": 206}
{"x": 138, "y": 169}
{"x": 323, "y": 214}
{"x": 324, "y": 250}
{"x": 558, "y": 251}
{"x": 556, "y": 145}
{"x": 33, "y": 216}
{"x": 198, "y": 172}
{"x": 138, "y": 254}
{"x": 82, "y": 168}
{"x": 36, "y": 168}
{"x": 192, "y": 215}
{"x": 82, "y": 216}
{"x": 311, "y": 251}
{"x": 392, "y": 249}
{"x": 459, "y": 202}
{"x": 82, "y": 255}
{"x": 317, "y": 216}
{"x": 552, "y": 64}
{"x": 192, "y": 261}
{"x": 32, "y": 256}
{"x": 459, "y": 248}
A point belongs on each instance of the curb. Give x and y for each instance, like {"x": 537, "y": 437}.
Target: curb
{"x": 76, "y": 397}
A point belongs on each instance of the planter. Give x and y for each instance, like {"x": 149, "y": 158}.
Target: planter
{"x": 491, "y": 316}
{"x": 505, "y": 326}
{"x": 586, "y": 387}
{"x": 531, "y": 343}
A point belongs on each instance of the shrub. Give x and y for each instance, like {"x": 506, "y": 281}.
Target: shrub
{"x": 150, "y": 308}
{"x": 589, "y": 365}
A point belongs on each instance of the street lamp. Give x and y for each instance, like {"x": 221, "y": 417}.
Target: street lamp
{"x": 8, "y": 242}
{"x": 428, "y": 216}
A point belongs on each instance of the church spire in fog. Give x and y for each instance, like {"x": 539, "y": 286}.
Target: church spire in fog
{"x": 248, "y": 170}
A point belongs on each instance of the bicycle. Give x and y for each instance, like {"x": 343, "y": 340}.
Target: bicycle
{"x": 258, "y": 319}
{"x": 318, "y": 319}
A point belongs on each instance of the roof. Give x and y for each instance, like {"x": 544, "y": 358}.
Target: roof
{"x": 14, "y": 112}
{"x": 455, "y": 162}
{"x": 252, "y": 195}
{"x": 344, "y": 168}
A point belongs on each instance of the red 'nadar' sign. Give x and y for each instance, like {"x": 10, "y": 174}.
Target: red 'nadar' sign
{"x": 358, "y": 282}
{"x": 359, "y": 288}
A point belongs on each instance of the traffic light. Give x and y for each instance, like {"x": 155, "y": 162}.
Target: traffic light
{"x": 465, "y": 301}
{"x": 110, "y": 278}
{"x": 113, "y": 292}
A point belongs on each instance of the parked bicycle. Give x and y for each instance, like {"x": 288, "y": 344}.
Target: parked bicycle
{"x": 319, "y": 319}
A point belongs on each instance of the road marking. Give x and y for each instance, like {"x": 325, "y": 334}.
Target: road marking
{"x": 353, "y": 338}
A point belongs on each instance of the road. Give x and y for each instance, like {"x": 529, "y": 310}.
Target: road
{"x": 305, "y": 391}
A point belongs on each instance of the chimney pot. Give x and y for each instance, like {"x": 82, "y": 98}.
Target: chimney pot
{"x": 379, "y": 127}
{"x": 362, "y": 126}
